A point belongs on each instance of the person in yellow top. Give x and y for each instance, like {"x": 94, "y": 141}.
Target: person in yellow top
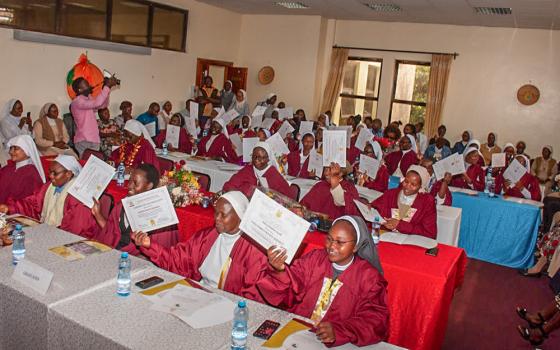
{"x": 489, "y": 148}
{"x": 545, "y": 168}
{"x": 208, "y": 98}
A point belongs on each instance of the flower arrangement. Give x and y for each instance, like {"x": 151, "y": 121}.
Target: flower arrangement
{"x": 182, "y": 185}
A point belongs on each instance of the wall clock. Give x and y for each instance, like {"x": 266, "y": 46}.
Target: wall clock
{"x": 528, "y": 94}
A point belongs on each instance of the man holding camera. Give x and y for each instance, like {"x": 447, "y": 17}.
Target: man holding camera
{"x": 83, "y": 109}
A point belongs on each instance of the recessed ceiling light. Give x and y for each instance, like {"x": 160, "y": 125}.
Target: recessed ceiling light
{"x": 384, "y": 7}
{"x": 493, "y": 10}
{"x": 292, "y": 5}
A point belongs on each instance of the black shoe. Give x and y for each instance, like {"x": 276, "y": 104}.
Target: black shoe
{"x": 526, "y": 273}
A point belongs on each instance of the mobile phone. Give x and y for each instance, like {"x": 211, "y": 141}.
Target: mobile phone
{"x": 149, "y": 282}
{"x": 266, "y": 329}
{"x": 28, "y": 114}
{"x": 433, "y": 251}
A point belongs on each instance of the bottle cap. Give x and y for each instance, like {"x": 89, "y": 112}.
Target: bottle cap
{"x": 124, "y": 255}
{"x": 376, "y": 218}
{"x": 18, "y": 227}
{"x": 242, "y": 303}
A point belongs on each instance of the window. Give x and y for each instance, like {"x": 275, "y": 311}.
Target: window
{"x": 360, "y": 88}
{"x": 135, "y": 22}
{"x": 410, "y": 91}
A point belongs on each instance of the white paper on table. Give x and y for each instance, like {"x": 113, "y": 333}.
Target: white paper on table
{"x": 305, "y": 127}
{"x": 416, "y": 240}
{"x": 369, "y": 166}
{"x": 172, "y": 135}
{"x": 248, "y": 145}
{"x": 271, "y": 224}
{"x": 347, "y": 129}
{"x": 229, "y": 167}
{"x": 236, "y": 141}
{"x": 463, "y": 190}
{"x": 259, "y": 110}
{"x": 150, "y": 210}
{"x": 334, "y": 147}
{"x": 190, "y": 124}
{"x": 151, "y": 127}
{"x": 454, "y": 164}
{"x": 230, "y": 115}
{"x": 92, "y": 181}
{"x": 498, "y": 160}
{"x": 364, "y": 136}
{"x": 193, "y": 109}
{"x": 33, "y": 276}
{"x": 514, "y": 172}
{"x": 286, "y": 113}
{"x": 368, "y": 213}
{"x": 315, "y": 163}
{"x": 285, "y": 129}
{"x": 278, "y": 145}
{"x": 267, "y": 123}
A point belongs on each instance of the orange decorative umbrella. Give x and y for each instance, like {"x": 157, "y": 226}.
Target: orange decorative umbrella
{"x": 87, "y": 70}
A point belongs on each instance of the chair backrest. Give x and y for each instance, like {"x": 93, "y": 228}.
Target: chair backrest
{"x": 203, "y": 181}
{"x": 106, "y": 202}
{"x": 294, "y": 192}
{"x": 91, "y": 152}
{"x": 165, "y": 164}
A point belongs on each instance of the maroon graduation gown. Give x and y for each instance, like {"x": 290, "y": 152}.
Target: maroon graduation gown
{"x": 77, "y": 218}
{"x": 20, "y": 183}
{"x": 423, "y": 221}
{"x": 248, "y": 133}
{"x": 295, "y": 168}
{"x": 448, "y": 197}
{"x": 248, "y": 262}
{"x": 145, "y": 155}
{"x": 475, "y": 173}
{"x": 529, "y": 181}
{"x": 245, "y": 181}
{"x": 185, "y": 144}
{"x": 381, "y": 182}
{"x": 358, "y": 313}
{"x": 111, "y": 234}
{"x": 320, "y": 199}
{"x": 220, "y": 148}
{"x": 353, "y": 155}
{"x": 392, "y": 161}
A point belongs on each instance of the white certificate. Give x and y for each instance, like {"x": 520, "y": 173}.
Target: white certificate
{"x": 315, "y": 163}
{"x": 150, "y": 210}
{"x": 151, "y": 127}
{"x": 267, "y": 123}
{"x": 334, "y": 147}
{"x": 248, "y": 145}
{"x": 285, "y": 129}
{"x": 172, "y": 135}
{"x": 347, "y": 129}
{"x": 270, "y": 224}
{"x": 369, "y": 213}
{"x": 256, "y": 121}
{"x": 454, "y": 164}
{"x": 498, "y": 160}
{"x": 220, "y": 110}
{"x": 514, "y": 172}
{"x": 369, "y": 166}
{"x": 230, "y": 115}
{"x": 364, "y": 136}
{"x": 193, "y": 109}
{"x": 278, "y": 145}
{"x": 286, "y": 113}
{"x": 258, "y": 111}
{"x": 92, "y": 181}
{"x": 190, "y": 124}
{"x": 305, "y": 127}
{"x": 236, "y": 141}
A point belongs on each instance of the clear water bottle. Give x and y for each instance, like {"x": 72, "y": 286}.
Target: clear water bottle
{"x": 18, "y": 245}
{"x": 120, "y": 174}
{"x": 375, "y": 228}
{"x": 205, "y": 132}
{"x": 489, "y": 183}
{"x": 239, "y": 329}
{"x": 164, "y": 148}
{"x": 123, "y": 278}
{"x": 491, "y": 187}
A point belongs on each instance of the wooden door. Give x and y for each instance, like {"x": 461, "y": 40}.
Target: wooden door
{"x": 238, "y": 77}
{"x": 203, "y": 67}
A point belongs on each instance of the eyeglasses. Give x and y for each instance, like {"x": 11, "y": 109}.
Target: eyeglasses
{"x": 337, "y": 242}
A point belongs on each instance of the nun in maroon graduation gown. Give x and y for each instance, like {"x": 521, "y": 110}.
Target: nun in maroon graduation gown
{"x": 298, "y": 161}
{"x": 341, "y": 288}
{"x": 473, "y": 178}
{"x": 245, "y": 130}
{"x": 527, "y": 187}
{"x": 439, "y": 189}
{"x": 399, "y": 161}
{"x": 185, "y": 144}
{"x": 332, "y": 196}
{"x": 219, "y": 257}
{"x": 407, "y": 209}
{"x": 24, "y": 174}
{"x": 137, "y": 149}
{"x": 115, "y": 231}
{"x": 52, "y": 204}
{"x": 262, "y": 171}
{"x": 381, "y": 182}
{"x": 217, "y": 144}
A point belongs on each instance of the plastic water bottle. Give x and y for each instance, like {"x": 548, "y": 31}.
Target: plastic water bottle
{"x": 120, "y": 174}
{"x": 375, "y": 228}
{"x": 123, "y": 278}
{"x": 489, "y": 183}
{"x": 239, "y": 329}
{"x": 164, "y": 148}
{"x": 18, "y": 245}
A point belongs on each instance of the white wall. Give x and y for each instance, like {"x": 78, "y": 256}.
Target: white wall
{"x": 36, "y": 73}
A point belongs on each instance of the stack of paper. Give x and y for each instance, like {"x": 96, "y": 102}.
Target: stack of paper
{"x": 400, "y": 238}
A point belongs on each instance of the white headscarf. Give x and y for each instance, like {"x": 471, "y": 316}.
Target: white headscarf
{"x": 9, "y": 124}
{"x": 412, "y": 142}
{"x": 466, "y": 153}
{"x": 26, "y": 143}
{"x": 69, "y": 163}
{"x": 239, "y": 105}
{"x": 376, "y": 149}
{"x": 549, "y": 147}
{"x": 269, "y": 96}
{"x": 223, "y": 125}
{"x": 238, "y": 201}
{"x": 509, "y": 144}
{"x": 45, "y": 110}
{"x": 271, "y": 158}
{"x": 327, "y": 120}
{"x": 136, "y": 128}
{"x": 266, "y": 132}
{"x": 527, "y": 161}
{"x": 471, "y": 135}
{"x": 473, "y": 142}
{"x": 248, "y": 125}
{"x": 424, "y": 176}
{"x": 7, "y": 109}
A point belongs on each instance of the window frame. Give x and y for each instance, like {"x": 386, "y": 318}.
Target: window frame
{"x": 360, "y": 97}
{"x": 395, "y": 77}
{"x": 109, "y": 16}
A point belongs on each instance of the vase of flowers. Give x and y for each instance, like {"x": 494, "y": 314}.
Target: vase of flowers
{"x": 182, "y": 185}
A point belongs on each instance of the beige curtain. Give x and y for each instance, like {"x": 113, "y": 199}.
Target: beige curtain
{"x": 334, "y": 82}
{"x": 439, "y": 73}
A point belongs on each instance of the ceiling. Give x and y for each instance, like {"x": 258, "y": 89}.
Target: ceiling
{"x": 542, "y": 14}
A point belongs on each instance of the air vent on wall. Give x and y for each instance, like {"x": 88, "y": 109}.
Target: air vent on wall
{"x": 384, "y": 7}
{"x": 292, "y": 5}
{"x": 493, "y": 10}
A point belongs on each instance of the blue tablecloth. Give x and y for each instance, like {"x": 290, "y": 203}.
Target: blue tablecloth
{"x": 498, "y": 231}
